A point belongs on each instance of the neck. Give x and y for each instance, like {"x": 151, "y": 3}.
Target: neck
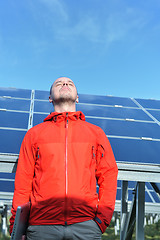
{"x": 63, "y": 107}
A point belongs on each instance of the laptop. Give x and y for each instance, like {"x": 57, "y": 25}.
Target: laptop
{"x": 21, "y": 221}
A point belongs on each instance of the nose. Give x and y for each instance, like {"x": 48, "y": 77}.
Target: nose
{"x": 65, "y": 83}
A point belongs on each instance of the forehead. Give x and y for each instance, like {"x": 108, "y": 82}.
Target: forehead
{"x": 63, "y": 79}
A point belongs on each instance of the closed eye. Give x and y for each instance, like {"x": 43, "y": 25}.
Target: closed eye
{"x": 58, "y": 84}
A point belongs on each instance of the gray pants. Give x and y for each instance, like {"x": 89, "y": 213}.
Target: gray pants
{"x": 87, "y": 230}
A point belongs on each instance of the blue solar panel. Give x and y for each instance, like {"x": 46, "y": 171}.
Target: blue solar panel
{"x": 14, "y": 104}
{"x": 38, "y": 118}
{"x": 132, "y": 184}
{"x": 127, "y": 128}
{"x": 118, "y": 196}
{"x": 14, "y": 92}
{"x": 6, "y": 186}
{"x": 112, "y": 112}
{"x": 148, "y": 185}
{"x": 136, "y": 151}
{"x": 155, "y": 114}
{"x": 42, "y": 106}
{"x": 147, "y": 103}
{"x": 11, "y": 140}
{"x": 155, "y": 196}
{"x": 43, "y": 95}
{"x": 147, "y": 197}
{"x": 16, "y": 120}
{"x": 106, "y": 100}
{"x": 7, "y": 175}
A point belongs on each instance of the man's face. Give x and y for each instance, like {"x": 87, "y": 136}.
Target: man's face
{"x": 63, "y": 89}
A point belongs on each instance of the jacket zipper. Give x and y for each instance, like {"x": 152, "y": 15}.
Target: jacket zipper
{"x": 66, "y": 167}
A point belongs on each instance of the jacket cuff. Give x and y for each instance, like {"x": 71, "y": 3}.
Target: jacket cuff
{"x": 101, "y": 224}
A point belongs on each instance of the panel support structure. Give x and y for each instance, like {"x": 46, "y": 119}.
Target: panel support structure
{"x": 124, "y": 208}
{"x": 136, "y": 213}
{"x": 140, "y": 211}
{"x": 127, "y": 218}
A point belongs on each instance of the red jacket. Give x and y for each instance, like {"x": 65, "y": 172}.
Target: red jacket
{"x": 59, "y": 163}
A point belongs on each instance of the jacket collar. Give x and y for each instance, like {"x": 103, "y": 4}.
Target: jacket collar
{"x": 58, "y": 117}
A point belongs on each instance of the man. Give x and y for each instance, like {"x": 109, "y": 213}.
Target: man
{"x": 59, "y": 164}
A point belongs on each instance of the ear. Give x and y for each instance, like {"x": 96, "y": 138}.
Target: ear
{"x": 50, "y": 99}
{"x": 77, "y": 100}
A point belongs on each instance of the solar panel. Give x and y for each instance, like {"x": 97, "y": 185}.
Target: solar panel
{"x": 42, "y": 95}
{"x": 14, "y": 92}
{"x": 38, "y": 118}
{"x": 155, "y": 114}
{"x": 14, "y": 120}
{"x": 11, "y": 140}
{"x": 6, "y": 185}
{"x": 14, "y": 104}
{"x": 149, "y": 103}
{"x": 132, "y": 126}
{"x": 43, "y": 107}
{"x": 136, "y": 151}
{"x": 106, "y": 100}
{"x": 111, "y": 112}
{"x": 127, "y": 128}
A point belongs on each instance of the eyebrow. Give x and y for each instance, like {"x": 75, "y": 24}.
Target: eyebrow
{"x": 59, "y": 81}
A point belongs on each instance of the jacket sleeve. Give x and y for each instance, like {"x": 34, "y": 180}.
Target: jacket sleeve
{"x": 106, "y": 174}
{"x": 24, "y": 176}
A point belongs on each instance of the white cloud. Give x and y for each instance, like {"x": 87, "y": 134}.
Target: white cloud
{"x": 121, "y": 25}
{"x": 114, "y": 25}
{"x": 56, "y": 7}
{"x": 86, "y": 28}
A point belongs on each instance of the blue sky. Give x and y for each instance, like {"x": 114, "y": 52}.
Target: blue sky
{"x": 107, "y": 47}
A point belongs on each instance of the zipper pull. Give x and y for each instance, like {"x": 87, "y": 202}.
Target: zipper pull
{"x": 38, "y": 153}
{"x": 99, "y": 153}
{"x": 66, "y": 119}
{"x": 93, "y": 153}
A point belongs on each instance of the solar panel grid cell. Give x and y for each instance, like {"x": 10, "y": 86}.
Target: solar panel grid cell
{"x": 42, "y": 95}
{"x": 155, "y": 113}
{"x": 113, "y": 112}
{"x": 149, "y": 103}
{"x": 14, "y": 104}
{"x": 38, "y": 118}
{"x": 43, "y": 106}
{"x": 14, "y": 92}
{"x": 6, "y": 185}
{"x": 11, "y": 140}
{"x": 106, "y": 100}
{"x": 136, "y": 150}
{"x": 127, "y": 128}
{"x": 14, "y": 119}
